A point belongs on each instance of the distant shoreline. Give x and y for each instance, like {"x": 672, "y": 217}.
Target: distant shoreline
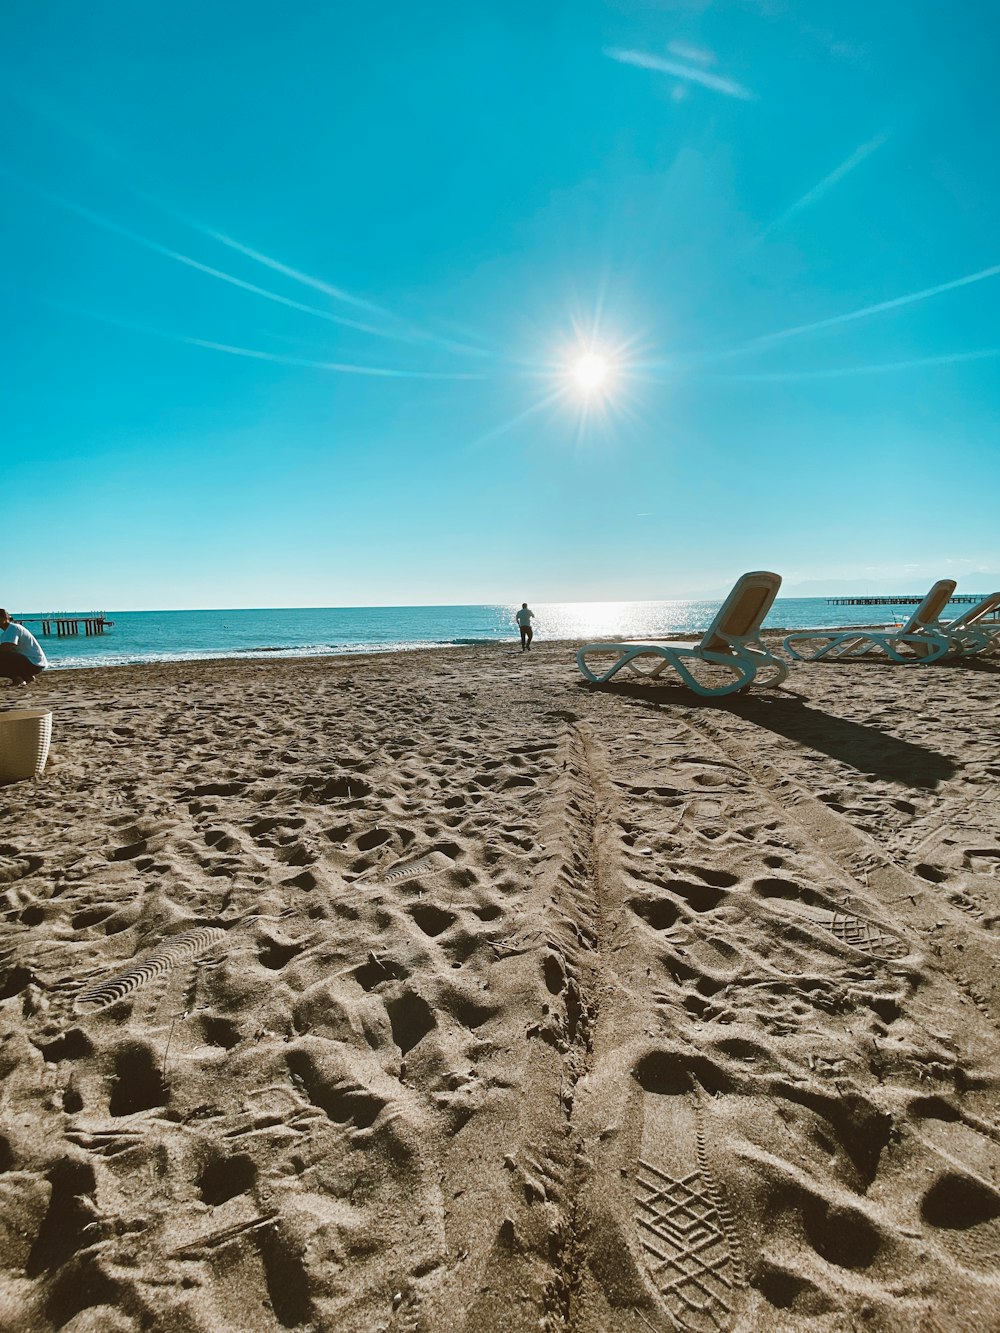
{"x": 284, "y": 657}
{"x": 149, "y": 637}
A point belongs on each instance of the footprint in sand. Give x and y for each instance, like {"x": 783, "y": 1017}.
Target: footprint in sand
{"x": 440, "y": 858}
{"x": 681, "y": 1220}
{"x": 961, "y": 1206}
{"x": 178, "y": 949}
{"x": 855, "y": 931}
{"x": 964, "y": 1211}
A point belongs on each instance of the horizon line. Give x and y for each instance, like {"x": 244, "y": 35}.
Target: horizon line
{"x": 454, "y": 606}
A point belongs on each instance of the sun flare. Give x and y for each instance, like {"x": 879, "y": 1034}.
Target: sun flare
{"x": 591, "y": 372}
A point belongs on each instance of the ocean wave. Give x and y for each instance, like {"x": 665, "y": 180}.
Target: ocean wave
{"x": 81, "y": 662}
{"x": 290, "y": 633}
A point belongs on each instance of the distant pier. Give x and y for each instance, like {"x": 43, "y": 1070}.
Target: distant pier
{"x": 968, "y": 599}
{"x": 68, "y": 627}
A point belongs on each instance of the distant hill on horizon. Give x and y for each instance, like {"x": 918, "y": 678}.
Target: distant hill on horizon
{"x": 972, "y": 583}
{"x": 912, "y": 586}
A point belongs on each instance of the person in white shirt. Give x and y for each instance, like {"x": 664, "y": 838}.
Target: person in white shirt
{"x": 21, "y": 656}
{"x": 524, "y": 618}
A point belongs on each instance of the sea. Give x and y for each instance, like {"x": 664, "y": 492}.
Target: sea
{"x": 165, "y": 636}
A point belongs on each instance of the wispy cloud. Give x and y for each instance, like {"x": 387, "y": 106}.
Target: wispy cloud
{"x": 532, "y": 410}
{"x": 895, "y": 303}
{"x": 679, "y": 69}
{"x": 108, "y": 224}
{"x": 406, "y": 334}
{"x": 72, "y": 124}
{"x": 848, "y": 372}
{"x": 341, "y": 367}
{"x": 305, "y": 279}
{"x": 696, "y": 53}
{"x": 698, "y": 359}
{"x": 827, "y": 183}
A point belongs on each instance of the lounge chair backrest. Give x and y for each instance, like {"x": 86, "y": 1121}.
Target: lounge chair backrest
{"x": 974, "y": 613}
{"x": 927, "y": 613}
{"x": 743, "y": 611}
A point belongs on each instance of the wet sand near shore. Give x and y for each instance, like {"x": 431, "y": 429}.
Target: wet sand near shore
{"x": 447, "y": 992}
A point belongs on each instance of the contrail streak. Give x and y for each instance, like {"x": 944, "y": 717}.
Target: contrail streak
{"x": 410, "y": 334}
{"x": 846, "y": 372}
{"x": 341, "y": 367}
{"x": 337, "y": 293}
{"x": 689, "y": 73}
{"x": 508, "y": 425}
{"x": 306, "y": 279}
{"x": 69, "y": 123}
{"x": 827, "y": 183}
{"x": 766, "y": 339}
{"x": 896, "y": 303}
{"x": 108, "y": 224}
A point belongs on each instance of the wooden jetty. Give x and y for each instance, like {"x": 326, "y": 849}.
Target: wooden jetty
{"x": 68, "y": 627}
{"x": 968, "y": 599}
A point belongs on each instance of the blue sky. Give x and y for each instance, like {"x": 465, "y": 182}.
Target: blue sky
{"x": 292, "y": 295}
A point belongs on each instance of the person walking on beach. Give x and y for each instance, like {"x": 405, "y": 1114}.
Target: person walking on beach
{"x": 21, "y": 656}
{"x": 524, "y": 618}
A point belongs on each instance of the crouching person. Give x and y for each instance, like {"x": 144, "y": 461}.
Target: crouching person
{"x": 21, "y": 656}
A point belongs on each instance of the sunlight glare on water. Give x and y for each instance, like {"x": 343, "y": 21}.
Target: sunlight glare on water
{"x": 632, "y": 620}
{"x": 151, "y": 636}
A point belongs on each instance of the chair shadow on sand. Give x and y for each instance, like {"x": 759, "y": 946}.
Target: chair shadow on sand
{"x": 865, "y": 748}
{"x": 990, "y": 665}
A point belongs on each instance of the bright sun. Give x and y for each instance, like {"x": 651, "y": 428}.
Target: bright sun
{"x": 591, "y": 371}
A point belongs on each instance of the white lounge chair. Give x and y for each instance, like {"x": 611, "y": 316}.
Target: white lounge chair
{"x": 921, "y": 640}
{"x": 968, "y": 634}
{"x": 732, "y": 641}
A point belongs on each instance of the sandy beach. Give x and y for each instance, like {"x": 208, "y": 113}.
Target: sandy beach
{"x": 447, "y": 992}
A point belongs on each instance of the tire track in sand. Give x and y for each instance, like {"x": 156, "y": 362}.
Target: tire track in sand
{"x": 667, "y": 1246}
{"x": 955, "y": 944}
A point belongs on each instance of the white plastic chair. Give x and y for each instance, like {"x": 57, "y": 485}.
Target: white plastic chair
{"x": 967, "y": 633}
{"x": 921, "y": 640}
{"x": 732, "y": 641}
